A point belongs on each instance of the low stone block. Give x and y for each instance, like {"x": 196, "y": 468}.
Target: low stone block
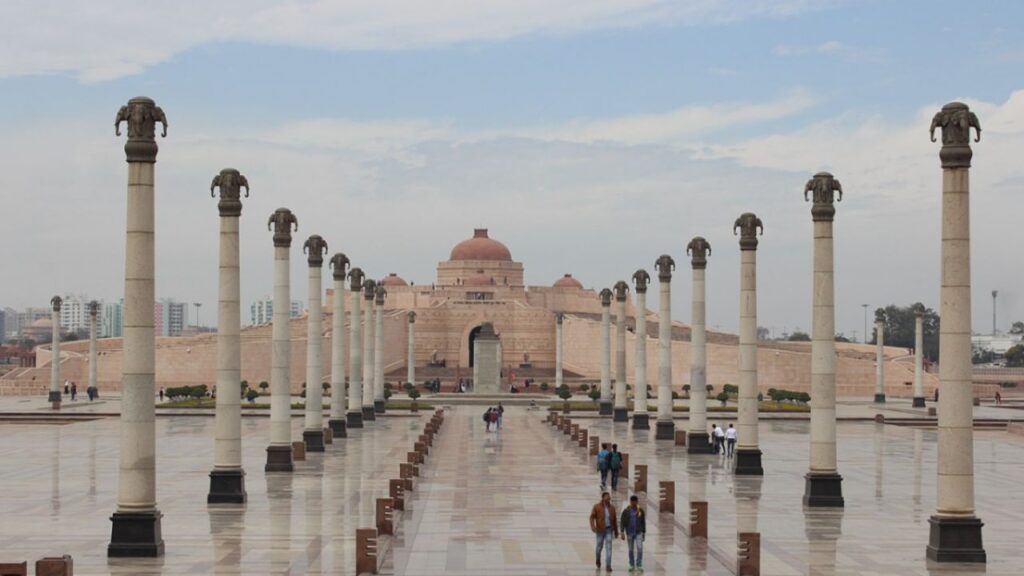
{"x": 63, "y": 566}
{"x": 298, "y": 450}
{"x": 13, "y": 568}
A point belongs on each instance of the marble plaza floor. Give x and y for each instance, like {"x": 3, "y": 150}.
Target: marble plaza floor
{"x": 513, "y": 502}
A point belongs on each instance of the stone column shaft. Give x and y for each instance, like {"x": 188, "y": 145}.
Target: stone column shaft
{"x": 641, "y": 418}
{"x": 313, "y": 431}
{"x": 410, "y": 370}
{"x": 338, "y": 338}
{"x": 748, "y": 452}
{"x": 606, "y": 361}
{"x": 279, "y": 453}
{"x": 368, "y": 359}
{"x": 92, "y": 350}
{"x": 355, "y": 368}
{"x": 697, "y": 436}
{"x": 879, "y": 361}
{"x": 665, "y": 428}
{"x": 619, "y": 412}
{"x": 54, "y": 396}
{"x": 918, "y": 401}
{"x": 559, "y": 319}
{"x": 378, "y": 357}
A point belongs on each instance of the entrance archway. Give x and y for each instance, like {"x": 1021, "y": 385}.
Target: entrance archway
{"x": 472, "y": 338}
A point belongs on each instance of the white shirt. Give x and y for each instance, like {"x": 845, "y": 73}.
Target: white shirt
{"x": 730, "y": 434}
{"x": 718, "y": 433}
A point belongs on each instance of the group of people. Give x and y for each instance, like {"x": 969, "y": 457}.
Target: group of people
{"x": 607, "y": 525}
{"x": 493, "y": 416}
{"x": 723, "y": 440}
{"x": 71, "y": 389}
{"x": 609, "y": 462}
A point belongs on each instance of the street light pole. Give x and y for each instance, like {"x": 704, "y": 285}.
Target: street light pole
{"x": 994, "y": 294}
{"x": 865, "y": 307}
{"x": 197, "y": 305}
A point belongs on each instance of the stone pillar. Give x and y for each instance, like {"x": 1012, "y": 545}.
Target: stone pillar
{"x": 606, "y": 354}
{"x": 313, "y": 431}
{"x": 665, "y": 429}
{"x": 354, "y": 416}
{"x": 823, "y": 485}
{"x": 369, "y": 290}
{"x": 955, "y": 529}
{"x": 559, "y": 318}
{"x": 487, "y": 361}
{"x": 227, "y": 479}
{"x": 54, "y": 396}
{"x": 641, "y": 418}
{"x": 620, "y": 412}
{"x": 410, "y": 361}
{"x": 879, "y": 356}
{"x": 94, "y": 310}
{"x": 748, "y": 453}
{"x": 136, "y": 523}
{"x": 378, "y": 349}
{"x": 919, "y": 357}
{"x": 697, "y": 438}
{"x": 339, "y": 266}
{"x": 279, "y": 453}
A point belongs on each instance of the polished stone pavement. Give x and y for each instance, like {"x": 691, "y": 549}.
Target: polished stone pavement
{"x": 503, "y": 503}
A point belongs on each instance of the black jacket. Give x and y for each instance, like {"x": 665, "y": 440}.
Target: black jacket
{"x": 641, "y": 521}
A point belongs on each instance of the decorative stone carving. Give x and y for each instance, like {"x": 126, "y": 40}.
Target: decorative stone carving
{"x": 559, "y": 318}
{"x": 621, "y": 289}
{"x": 94, "y": 308}
{"x": 824, "y": 188}
{"x": 356, "y": 277}
{"x": 698, "y": 249}
{"x": 379, "y": 293}
{"x": 641, "y": 279}
{"x": 339, "y": 263}
{"x": 956, "y": 120}
{"x": 281, "y": 222}
{"x": 411, "y": 316}
{"x": 141, "y": 115}
{"x": 56, "y": 303}
{"x": 665, "y": 265}
{"x": 369, "y": 289}
{"x": 315, "y": 247}
{"x": 606, "y": 297}
{"x": 880, "y": 315}
{"x": 749, "y": 225}
{"x": 231, "y": 183}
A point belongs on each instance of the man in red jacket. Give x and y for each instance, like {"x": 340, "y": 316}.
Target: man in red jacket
{"x": 605, "y": 525}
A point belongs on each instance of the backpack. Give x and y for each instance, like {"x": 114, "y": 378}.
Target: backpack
{"x": 487, "y": 416}
{"x": 616, "y": 460}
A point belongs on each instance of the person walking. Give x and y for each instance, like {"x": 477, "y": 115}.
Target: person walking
{"x": 602, "y": 464}
{"x": 67, "y": 387}
{"x": 74, "y": 391}
{"x": 487, "y": 419}
{"x": 633, "y": 526}
{"x": 615, "y": 465}
{"x": 605, "y": 526}
{"x": 714, "y": 438}
{"x": 495, "y": 419}
{"x": 730, "y": 440}
{"x": 501, "y": 414}
{"x": 161, "y": 393}
{"x": 720, "y": 440}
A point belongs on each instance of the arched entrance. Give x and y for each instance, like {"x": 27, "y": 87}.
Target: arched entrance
{"x": 472, "y": 339}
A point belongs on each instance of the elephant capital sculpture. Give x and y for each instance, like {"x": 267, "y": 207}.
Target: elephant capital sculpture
{"x": 749, "y": 225}
{"x": 621, "y": 289}
{"x": 56, "y": 302}
{"x": 698, "y": 249}
{"x": 606, "y": 297}
{"x": 141, "y": 115}
{"x": 665, "y": 265}
{"x": 340, "y": 265}
{"x": 379, "y": 293}
{"x": 411, "y": 316}
{"x": 641, "y": 279}
{"x": 956, "y": 120}
{"x": 315, "y": 247}
{"x": 230, "y": 182}
{"x": 94, "y": 308}
{"x": 281, "y": 222}
{"x": 356, "y": 277}
{"x": 369, "y": 289}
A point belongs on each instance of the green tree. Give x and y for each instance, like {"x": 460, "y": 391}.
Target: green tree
{"x": 841, "y": 338}
{"x": 899, "y": 328}
{"x": 564, "y": 393}
{"x": 1017, "y": 327}
{"x": 1015, "y": 356}
{"x": 263, "y": 386}
{"x": 799, "y": 337}
{"x": 251, "y": 396}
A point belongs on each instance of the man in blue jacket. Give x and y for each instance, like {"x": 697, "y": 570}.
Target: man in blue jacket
{"x": 633, "y": 527}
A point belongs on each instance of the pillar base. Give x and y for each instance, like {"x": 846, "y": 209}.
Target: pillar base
{"x": 279, "y": 459}
{"x": 641, "y": 421}
{"x": 955, "y": 540}
{"x": 227, "y": 487}
{"x": 880, "y": 398}
{"x": 378, "y": 406}
{"x": 54, "y": 397}
{"x": 136, "y": 535}
{"x": 314, "y": 440}
{"x": 698, "y": 443}
{"x": 337, "y": 426}
{"x": 918, "y": 402}
{"x": 823, "y": 490}
{"x": 665, "y": 430}
{"x": 748, "y": 462}
{"x": 620, "y": 415}
{"x": 354, "y": 419}
{"x": 368, "y": 414}
{"x": 605, "y": 409}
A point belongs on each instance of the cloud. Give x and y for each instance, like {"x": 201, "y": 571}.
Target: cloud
{"x": 106, "y": 39}
{"x": 835, "y": 49}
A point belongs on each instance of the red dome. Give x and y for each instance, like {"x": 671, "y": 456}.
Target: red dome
{"x": 481, "y": 247}
{"x": 568, "y": 281}
{"x": 393, "y": 279}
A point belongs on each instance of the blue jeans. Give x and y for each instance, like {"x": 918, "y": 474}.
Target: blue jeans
{"x": 604, "y": 476}
{"x": 604, "y": 539}
{"x": 636, "y": 550}
{"x": 615, "y": 478}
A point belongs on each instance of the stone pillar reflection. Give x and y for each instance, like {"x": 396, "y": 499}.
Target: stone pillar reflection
{"x": 54, "y": 396}
{"x": 697, "y": 437}
{"x": 823, "y": 484}
{"x": 748, "y": 451}
{"x": 313, "y": 431}
{"x": 955, "y": 528}
{"x": 410, "y": 361}
{"x": 339, "y": 266}
{"x": 94, "y": 310}
{"x": 665, "y": 428}
{"x": 606, "y": 353}
{"x": 880, "y": 355}
{"x": 227, "y": 480}
{"x": 354, "y": 416}
{"x": 369, "y": 290}
{"x": 918, "y": 401}
{"x": 559, "y": 319}
{"x": 641, "y": 418}
{"x": 136, "y": 523}
{"x": 378, "y": 349}
{"x": 279, "y": 453}
{"x": 620, "y": 413}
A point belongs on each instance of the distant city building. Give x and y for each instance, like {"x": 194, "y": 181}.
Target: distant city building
{"x": 998, "y": 344}
{"x": 10, "y": 329}
{"x": 3, "y": 325}
{"x": 74, "y": 314}
{"x": 113, "y": 320}
{"x": 262, "y": 311}
{"x": 29, "y": 316}
{"x": 170, "y": 317}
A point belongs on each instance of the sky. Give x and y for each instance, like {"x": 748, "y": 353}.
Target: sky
{"x": 590, "y": 136}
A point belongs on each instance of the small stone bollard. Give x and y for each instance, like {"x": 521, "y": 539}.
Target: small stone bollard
{"x": 396, "y": 491}
{"x": 879, "y": 418}
{"x": 640, "y": 485}
{"x": 385, "y": 517}
{"x": 748, "y": 554}
{"x": 427, "y": 439}
{"x": 574, "y": 431}
{"x": 328, "y": 436}
{"x": 932, "y": 411}
{"x": 583, "y": 438}
{"x": 366, "y": 551}
{"x": 298, "y": 451}
{"x": 567, "y": 429}
{"x": 62, "y": 566}
{"x": 13, "y": 568}
{"x": 414, "y": 458}
{"x": 699, "y": 520}
{"x": 667, "y": 497}
{"x": 421, "y": 447}
{"x": 624, "y": 472}
{"x": 595, "y": 444}
{"x": 680, "y": 437}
